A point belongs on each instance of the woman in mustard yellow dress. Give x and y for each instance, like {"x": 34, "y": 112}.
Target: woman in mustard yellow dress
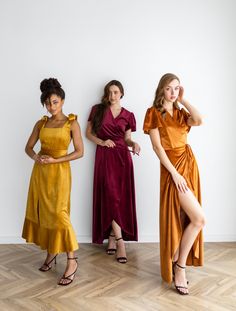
{"x": 47, "y": 221}
{"x": 181, "y": 216}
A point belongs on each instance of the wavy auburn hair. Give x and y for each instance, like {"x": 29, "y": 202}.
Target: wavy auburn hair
{"x": 159, "y": 96}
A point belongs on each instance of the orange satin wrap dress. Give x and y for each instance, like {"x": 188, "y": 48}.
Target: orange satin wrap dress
{"x": 173, "y": 134}
{"x": 47, "y": 221}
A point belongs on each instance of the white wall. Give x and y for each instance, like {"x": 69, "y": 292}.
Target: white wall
{"x": 87, "y": 43}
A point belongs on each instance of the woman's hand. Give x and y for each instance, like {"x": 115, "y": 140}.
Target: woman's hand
{"x": 109, "y": 143}
{"x": 136, "y": 148}
{"x": 180, "y": 182}
{"x": 45, "y": 159}
{"x": 181, "y": 94}
{"x": 37, "y": 158}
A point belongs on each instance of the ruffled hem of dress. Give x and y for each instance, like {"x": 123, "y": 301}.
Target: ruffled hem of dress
{"x": 55, "y": 241}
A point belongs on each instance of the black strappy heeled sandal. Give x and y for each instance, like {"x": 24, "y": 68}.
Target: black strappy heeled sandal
{"x": 121, "y": 259}
{"x": 70, "y": 277}
{"x": 178, "y": 288}
{"x": 47, "y": 265}
{"x": 173, "y": 271}
{"x": 111, "y": 251}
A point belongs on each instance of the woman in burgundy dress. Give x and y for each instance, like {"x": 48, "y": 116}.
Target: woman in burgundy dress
{"x": 114, "y": 212}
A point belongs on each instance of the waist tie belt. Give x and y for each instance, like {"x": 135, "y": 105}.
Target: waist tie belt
{"x": 55, "y": 153}
{"x": 179, "y": 149}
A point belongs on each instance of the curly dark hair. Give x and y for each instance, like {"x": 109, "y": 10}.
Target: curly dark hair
{"x": 49, "y": 87}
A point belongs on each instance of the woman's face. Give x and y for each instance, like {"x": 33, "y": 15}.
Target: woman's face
{"x": 171, "y": 91}
{"x": 114, "y": 94}
{"x": 54, "y": 104}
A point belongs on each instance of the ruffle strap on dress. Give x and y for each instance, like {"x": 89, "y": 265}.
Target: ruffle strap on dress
{"x": 72, "y": 117}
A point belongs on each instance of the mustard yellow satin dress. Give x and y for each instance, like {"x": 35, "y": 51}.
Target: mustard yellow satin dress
{"x": 47, "y": 221}
{"x": 173, "y": 134}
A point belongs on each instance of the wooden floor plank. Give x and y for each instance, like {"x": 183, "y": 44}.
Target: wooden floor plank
{"x": 103, "y": 284}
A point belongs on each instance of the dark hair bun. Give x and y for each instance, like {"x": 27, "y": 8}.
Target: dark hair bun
{"x": 48, "y": 84}
{"x": 49, "y": 87}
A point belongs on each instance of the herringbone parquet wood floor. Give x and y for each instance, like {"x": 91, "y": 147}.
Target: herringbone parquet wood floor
{"x": 102, "y": 284}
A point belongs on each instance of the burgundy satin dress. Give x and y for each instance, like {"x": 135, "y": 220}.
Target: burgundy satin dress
{"x": 113, "y": 187}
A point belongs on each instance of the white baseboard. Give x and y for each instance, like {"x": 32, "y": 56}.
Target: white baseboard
{"x": 142, "y": 239}
{"x": 219, "y": 238}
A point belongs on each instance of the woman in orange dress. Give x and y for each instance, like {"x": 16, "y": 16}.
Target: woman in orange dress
{"x": 181, "y": 216}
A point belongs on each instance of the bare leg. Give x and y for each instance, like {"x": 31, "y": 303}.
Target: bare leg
{"x": 176, "y": 255}
{"x": 182, "y": 219}
{"x": 120, "y": 243}
{"x": 71, "y": 268}
{"x": 194, "y": 211}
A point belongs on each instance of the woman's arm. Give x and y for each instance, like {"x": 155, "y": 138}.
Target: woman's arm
{"x": 29, "y": 148}
{"x": 90, "y": 135}
{"x": 135, "y": 146}
{"x": 160, "y": 152}
{"x": 78, "y": 147}
{"x": 195, "y": 119}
